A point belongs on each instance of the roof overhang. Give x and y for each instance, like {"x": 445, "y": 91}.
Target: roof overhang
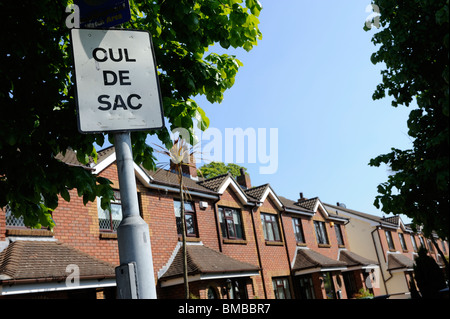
{"x": 8, "y": 288}
{"x": 230, "y": 182}
{"x": 270, "y": 193}
{"x": 207, "y": 276}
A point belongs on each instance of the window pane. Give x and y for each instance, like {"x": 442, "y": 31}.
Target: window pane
{"x": 389, "y": 239}
{"x": 188, "y": 207}
{"x": 189, "y": 217}
{"x": 269, "y": 232}
{"x": 190, "y": 224}
{"x": 238, "y": 225}
{"x": 320, "y": 233}
{"x": 231, "y": 232}
{"x": 414, "y": 244}
{"x": 339, "y": 238}
{"x": 276, "y": 231}
{"x": 177, "y": 208}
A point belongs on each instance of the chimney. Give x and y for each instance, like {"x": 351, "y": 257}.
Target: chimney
{"x": 301, "y": 197}
{"x": 244, "y": 179}
{"x": 187, "y": 170}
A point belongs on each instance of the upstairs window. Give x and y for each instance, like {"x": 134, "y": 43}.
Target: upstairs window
{"x": 13, "y": 221}
{"x": 231, "y": 223}
{"x": 298, "y": 230}
{"x": 402, "y": 241}
{"x": 109, "y": 220}
{"x": 190, "y": 220}
{"x": 413, "y": 242}
{"x": 389, "y": 240}
{"x": 339, "y": 237}
{"x": 422, "y": 242}
{"x": 430, "y": 246}
{"x": 321, "y": 233}
{"x": 270, "y": 227}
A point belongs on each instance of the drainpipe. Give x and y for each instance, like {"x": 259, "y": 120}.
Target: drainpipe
{"x": 218, "y": 230}
{"x": 288, "y": 256}
{"x": 378, "y": 258}
{"x": 254, "y": 210}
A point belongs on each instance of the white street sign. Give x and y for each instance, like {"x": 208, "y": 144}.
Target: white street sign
{"x": 117, "y": 86}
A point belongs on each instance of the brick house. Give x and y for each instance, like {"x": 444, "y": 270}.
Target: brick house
{"x": 392, "y": 243}
{"x": 242, "y": 242}
{"x": 323, "y": 266}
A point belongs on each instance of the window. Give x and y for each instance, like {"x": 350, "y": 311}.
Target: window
{"x": 230, "y": 223}
{"x": 321, "y": 232}
{"x": 109, "y": 220}
{"x": 306, "y": 288}
{"x": 389, "y": 240}
{"x": 236, "y": 288}
{"x": 13, "y": 221}
{"x": 298, "y": 230}
{"x": 329, "y": 285}
{"x": 339, "y": 237}
{"x": 16, "y": 222}
{"x": 281, "y": 288}
{"x": 270, "y": 227}
{"x": 413, "y": 242}
{"x": 189, "y": 218}
{"x": 430, "y": 246}
{"x": 422, "y": 242}
{"x": 402, "y": 241}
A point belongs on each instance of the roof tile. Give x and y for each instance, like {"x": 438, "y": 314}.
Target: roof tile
{"x": 24, "y": 259}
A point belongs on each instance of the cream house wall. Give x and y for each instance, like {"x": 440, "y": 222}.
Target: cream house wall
{"x": 363, "y": 240}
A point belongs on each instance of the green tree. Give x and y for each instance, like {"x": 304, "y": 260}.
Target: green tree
{"x": 38, "y": 118}
{"x": 218, "y": 168}
{"x": 413, "y": 43}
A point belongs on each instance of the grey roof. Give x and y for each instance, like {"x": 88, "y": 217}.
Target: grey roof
{"x": 214, "y": 183}
{"x": 290, "y": 204}
{"x": 168, "y": 178}
{"x": 70, "y": 157}
{"x": 204, "y": 260}
{"x": 48, "y": 260}
{"x": 399, "y": 261}
{"x": 352, "y": 259}
{"x": 381, "y": 220}
{"x": 257, "y": 191}
{"x": 308, "y": 203}
{"x": 310, "y": 259}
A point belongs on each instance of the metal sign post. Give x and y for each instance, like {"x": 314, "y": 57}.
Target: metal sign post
{"x": 133, "y": 234}
{"x": 118, "y": 92}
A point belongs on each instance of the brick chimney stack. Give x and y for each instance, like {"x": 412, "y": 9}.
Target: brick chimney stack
{"x": 244, "y": 179}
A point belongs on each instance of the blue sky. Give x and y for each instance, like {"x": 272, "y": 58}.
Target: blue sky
{"x": 311, "y": 78}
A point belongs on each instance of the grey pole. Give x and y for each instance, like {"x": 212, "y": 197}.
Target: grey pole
{"x": 133, "y": 234}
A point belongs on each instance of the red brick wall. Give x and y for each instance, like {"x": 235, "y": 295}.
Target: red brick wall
{"x": 77, "y": 225}
{"x": 246, "y": 250}
{"x": 274, "y": 260}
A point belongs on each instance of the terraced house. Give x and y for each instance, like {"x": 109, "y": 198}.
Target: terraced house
{"x": 243, "y": 241}
{"x": 392, "y": 244}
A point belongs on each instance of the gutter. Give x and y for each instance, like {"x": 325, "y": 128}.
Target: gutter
{"x": 175, "y": 189}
